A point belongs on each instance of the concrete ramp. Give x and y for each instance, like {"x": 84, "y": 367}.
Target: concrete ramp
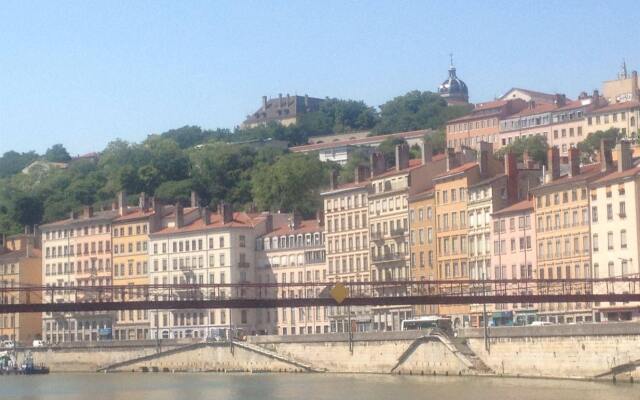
{"x": 276, "y": 356}
{"x": 619, "y": 369}
{"x": 149, "y": 357}
{"x": 456, "y": 346}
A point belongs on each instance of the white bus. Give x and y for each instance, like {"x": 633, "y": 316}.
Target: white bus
{"x": 427, "y": 322}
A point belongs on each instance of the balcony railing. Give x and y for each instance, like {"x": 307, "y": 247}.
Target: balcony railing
{"x": 389, "y": 257}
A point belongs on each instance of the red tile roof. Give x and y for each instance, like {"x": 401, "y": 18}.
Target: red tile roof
{"x": 614, "y": 175}
{"x": 516, "y": 207}
{"x": 617, "y": 106}
{"x": 457, "y": 170}
{"x": 240, "y": 220}
{"x": 306, "y": 226}
{"x": 539, "y": 108}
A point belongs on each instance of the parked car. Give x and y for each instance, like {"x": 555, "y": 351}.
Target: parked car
{"x": 38, "y": 343}
{"x": 541, "y": 323}
{"x": 8, "y": 344}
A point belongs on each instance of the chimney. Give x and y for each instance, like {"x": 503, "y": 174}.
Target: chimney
{"x": 511, "y": 169}
{"x": 595, "y": 99}
{"x": 532, "y": 104}
{"x": 362, "y": 173}
{"x": 376, "y": 163}
{"x": 143, "y": 202}
{"x": 226, "y": 212}
{"x": 402, "y": 156}
{"x": 156, "y": 218}
{"x": 264, "y": 102}
{"x": 333, "y": 179}
{"x": 268, "y": 223}
{"x": 574, "y": 162}
{"x": 625, "y": 157}
{"x": 122, "y": 202}
{"x": 452, "y": 162}
{"x": 486, "y": 151}
{"x": 195, "y": 201}
{"x": 320, "y": 217}
{"x": 280, "y": 99}
{"x": 635, "y": 91}
{"x": 560, "y": 100}
{"x": 179, "y": 213}
{"x": 295, "y": 221}
{"x": 87, "y": 212}
{"x": 527, "y": 161}
{"x": 206, "y": 215}
{"x": 306, "y": 102}
{"x": 606, "y": 159}
{"x": 426, "y": 151}
{"x": 553, "y": 164}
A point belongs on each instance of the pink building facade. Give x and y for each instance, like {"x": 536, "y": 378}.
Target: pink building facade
{"x": 514, "y": 257}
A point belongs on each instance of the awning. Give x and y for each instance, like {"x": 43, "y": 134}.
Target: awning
{"x": 502, "y": 314}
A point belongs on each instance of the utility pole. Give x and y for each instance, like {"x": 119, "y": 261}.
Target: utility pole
{"x": 484, "y": 315}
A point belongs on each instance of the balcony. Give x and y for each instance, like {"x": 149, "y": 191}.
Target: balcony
{"x": 377, "y": 236}
{"x": 389, "y": 257}
{"x": 397, "y": 232}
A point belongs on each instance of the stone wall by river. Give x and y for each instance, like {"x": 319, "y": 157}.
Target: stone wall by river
{"x": 590, "y": 351}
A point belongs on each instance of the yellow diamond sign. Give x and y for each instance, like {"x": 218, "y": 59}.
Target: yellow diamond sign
{"x": 339, "y": 292}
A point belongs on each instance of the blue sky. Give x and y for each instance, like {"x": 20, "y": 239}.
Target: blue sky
{"x": 84, "y": 73}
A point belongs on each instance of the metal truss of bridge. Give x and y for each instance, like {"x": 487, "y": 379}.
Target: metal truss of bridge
{"x": 251, "y": 295}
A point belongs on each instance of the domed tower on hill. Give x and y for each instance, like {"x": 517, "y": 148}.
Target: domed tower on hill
{"x": 453, "y": 89}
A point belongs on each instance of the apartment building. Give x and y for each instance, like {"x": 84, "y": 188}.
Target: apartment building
{"x": 622, "y": 116}
{"x": 295, "y": 253}
{"x": 514, "y": 257}
{"x": 196, "y": 246}
{"x": 451, "y": 191}
{"x": 614, "y": 201}
{"x": 563, "y": 229}
{"x": 20, "y": 265}
{"x": 77, "y": 252}
{"x": 482, "y": 124}
{"x": 389, "y": 225}
{"x": 422, "y": 221}
{"x": 347, "y": 243}
{"x": 131, "y": 230}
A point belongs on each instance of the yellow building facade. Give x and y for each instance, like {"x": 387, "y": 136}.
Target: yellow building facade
{"x": 422, "y": 217}
{"x": 20, "y": 265}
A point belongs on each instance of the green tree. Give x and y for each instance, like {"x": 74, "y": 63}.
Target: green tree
{"x": 174, "y": 191}
{"x": 388, "y": 148}
{"x": 13, "y": 162}
{"x": 57, "y": 153}
{"x": 359, "y": 156}
{"x": 536, "y": 146}
{"x": 28, "y": 210}
{"x": 438, "y": 141}
{"x": 189, "y": 136}
{"x": 590, "y": 146}
{"x": 292, "y": 184}
{"x": 416, "y": 110}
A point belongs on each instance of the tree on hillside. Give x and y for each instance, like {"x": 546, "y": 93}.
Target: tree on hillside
{"x": 536, "y": 146}
{"x": 438, "y": 141}
{"x": 590, "y": 146}
{"x": 416, "y": 110}
{"x": 28, "y": 210}
{"x": 174, "y": 191}
{"x": 388, "y": 148}
{"x": 359, "y": 156}
{"x": 344, "y": 116}
{"x": 189, "y": 136}
{"x": 291, "y": 184}
{"x": 13, "y": 162}
{"x": 223, "y": 172}
{"x": 57, "y": 153}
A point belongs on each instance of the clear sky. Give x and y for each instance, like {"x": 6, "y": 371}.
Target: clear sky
{"x": 84, "y": 73}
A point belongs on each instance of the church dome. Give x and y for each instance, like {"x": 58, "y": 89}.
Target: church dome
{"x": 454, "y": 88}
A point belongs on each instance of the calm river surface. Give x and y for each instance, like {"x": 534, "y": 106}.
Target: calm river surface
{"x": 300, "y": 387}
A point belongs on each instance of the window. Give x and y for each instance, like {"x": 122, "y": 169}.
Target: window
{"x": 609, "y": 212}
{"x": 623, "y": 212}
{"x": 595, "y": 242}
{"x": 623, "y": 239}
{"x": 610, "y": 240}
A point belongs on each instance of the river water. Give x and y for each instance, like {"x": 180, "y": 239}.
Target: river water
{"x": 139, "y": 386}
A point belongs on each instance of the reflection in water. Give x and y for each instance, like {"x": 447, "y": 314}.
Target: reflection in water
{"x": 299, "y": 386}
